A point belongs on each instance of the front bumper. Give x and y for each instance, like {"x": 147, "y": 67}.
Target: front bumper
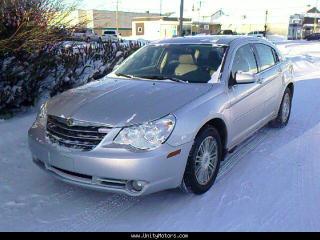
{"x": 109, "y": 168}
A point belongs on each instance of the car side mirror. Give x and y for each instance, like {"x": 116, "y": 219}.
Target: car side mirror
{"x": 245, "y": 77}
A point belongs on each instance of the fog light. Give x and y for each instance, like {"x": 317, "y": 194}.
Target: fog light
{"x": 137, "y": 185}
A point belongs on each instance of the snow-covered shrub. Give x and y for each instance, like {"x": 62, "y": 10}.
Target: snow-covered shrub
{"x": 35, "y": 60}
{"x": 26, "y": 78}
{"x": 80, "y": 64}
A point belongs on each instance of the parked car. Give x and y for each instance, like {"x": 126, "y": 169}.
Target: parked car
{"x": 259, "y": 34}
{"x": 85, "y": 34}
{"x": 111, "y": 35}
{"x": 313, "y": 37}
{"x": 166, "y": 117}
{"x": 227, "y": 32}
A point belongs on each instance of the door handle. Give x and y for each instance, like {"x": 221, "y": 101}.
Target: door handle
{"x": 279, "y": 70}
{"x": 260, "y": 80}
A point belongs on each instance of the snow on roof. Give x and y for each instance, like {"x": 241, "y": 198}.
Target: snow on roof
{"x": 208, "y": 39}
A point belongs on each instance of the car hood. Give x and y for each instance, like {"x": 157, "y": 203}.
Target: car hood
{"x": 123, "y": 102}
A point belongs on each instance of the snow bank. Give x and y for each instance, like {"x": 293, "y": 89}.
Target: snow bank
{"x": 304, "y": 55}
{"x": 277, "y": 38}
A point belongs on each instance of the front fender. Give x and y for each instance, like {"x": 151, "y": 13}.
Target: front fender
{"x": 192, "y": 117}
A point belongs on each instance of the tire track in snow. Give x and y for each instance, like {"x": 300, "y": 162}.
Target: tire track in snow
{"x": 303, "y": 166}
{"x": 99, "y": 216}
{"x": 243, "y": 149}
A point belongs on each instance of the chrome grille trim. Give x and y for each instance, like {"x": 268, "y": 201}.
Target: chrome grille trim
{"x": 73, "y": 130}
{"x": 84, "y": 138}
{"x": 76, "y": 145}
{"x": 62, "y": 135}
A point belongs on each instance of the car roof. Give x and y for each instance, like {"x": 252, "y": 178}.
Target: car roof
{"x": 208, "y": 39}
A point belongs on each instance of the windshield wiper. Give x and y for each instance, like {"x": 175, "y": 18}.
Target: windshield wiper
{"x": 176, "y": 79}
{"x": 155, "y": 77}
{"x": 123, "y": 75}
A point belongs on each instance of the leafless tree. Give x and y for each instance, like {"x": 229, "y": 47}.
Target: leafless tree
{"x": 29, "y": 25}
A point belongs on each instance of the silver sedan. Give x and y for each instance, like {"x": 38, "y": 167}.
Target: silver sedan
{"x": 166, "y": 117}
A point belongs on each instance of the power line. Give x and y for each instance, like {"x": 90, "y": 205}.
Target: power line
{"x": 274, "y": 12}
{"x": 204, "y": 3}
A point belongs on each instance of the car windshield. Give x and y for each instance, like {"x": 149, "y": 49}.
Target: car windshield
{"x": 187, "y": 62}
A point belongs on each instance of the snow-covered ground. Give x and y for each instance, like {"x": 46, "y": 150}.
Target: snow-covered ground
{"x": 271, "y": 182}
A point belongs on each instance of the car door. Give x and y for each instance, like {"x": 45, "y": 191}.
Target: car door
{"x": 246, "y": 100}
{"x": 269, "y": 77}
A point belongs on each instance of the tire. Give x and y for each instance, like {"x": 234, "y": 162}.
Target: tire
{"x": 284, "y": 112}
{"x": 195, "y": 180}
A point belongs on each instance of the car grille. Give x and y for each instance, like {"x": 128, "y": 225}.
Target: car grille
{"x": 74, "y": 135}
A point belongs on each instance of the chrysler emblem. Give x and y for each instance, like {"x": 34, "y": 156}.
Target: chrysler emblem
{"x": 70, "y": 122}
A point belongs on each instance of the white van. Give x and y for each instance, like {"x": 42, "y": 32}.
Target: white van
{"x": 112, "y": 35}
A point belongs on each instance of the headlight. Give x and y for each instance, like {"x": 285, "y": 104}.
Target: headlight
{"x": 42, "y": 116}
{"x": 147, "y": 136}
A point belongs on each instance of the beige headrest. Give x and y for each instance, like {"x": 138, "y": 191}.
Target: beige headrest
{"x": 186, "y": 59}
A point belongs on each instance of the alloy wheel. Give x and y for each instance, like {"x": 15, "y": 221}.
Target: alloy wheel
{"x": 206, "y": 160}
{"x": 286, "y": 108}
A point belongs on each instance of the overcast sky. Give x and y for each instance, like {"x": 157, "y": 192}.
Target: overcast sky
{"x": 253, "y": 9}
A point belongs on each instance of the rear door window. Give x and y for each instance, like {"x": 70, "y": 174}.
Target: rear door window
{"x": 266, "y": 56}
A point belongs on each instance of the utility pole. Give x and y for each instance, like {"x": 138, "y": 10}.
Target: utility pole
{"x": 266, "y": 24}
{"x": 160, "y": 7}
{"x": 181, "y": 18}
{"x": 315, "y": 18}
{"x": 199, "y": 11}
{"x": 244, "y": 17}
{"x": 117, "y": 16}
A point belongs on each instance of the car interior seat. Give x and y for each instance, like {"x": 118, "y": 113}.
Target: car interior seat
{"x": 186, "y": 65}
